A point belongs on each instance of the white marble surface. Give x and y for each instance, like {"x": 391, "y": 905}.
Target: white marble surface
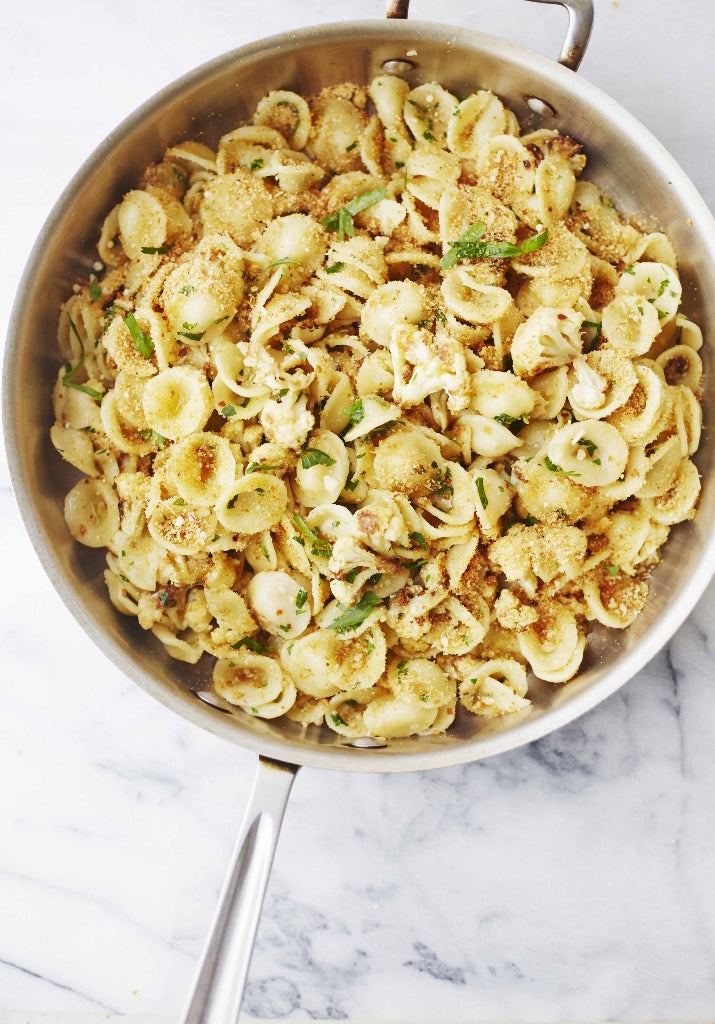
{"x": 572, "y": 880}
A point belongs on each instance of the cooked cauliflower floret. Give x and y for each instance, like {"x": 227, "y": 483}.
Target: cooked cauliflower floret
{"x": 380, "y": 522}
{"x": 234, "y": 620}
{"x": 549, "y": 338}
{"x": 513, "y": 613}
{"x": 547, "y": 551}
{"x": 424, "y": 364}
{"x": 287, "y": 423}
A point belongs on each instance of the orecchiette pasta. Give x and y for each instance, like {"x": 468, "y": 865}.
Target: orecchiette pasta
{"x": 379, "y": 404}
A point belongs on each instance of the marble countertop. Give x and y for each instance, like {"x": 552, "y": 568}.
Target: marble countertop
{"x": 570, "y": 880}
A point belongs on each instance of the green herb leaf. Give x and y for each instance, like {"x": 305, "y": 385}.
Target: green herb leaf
{"x": 321, "y": 546}
{"x": 481, "y": 492}
{"x": 590, "y": 446}
{"x": 471, "y": 247}
{"x": 334, "y": 268}
{"x": 356, "y": 412}
{"x": 142, "y": 342}
{"x": 191, "y": 335}
{"x": 351, "y": 484}
{"x": 342, "y": 220}
{"x": 353, "y": 617}
{"x": 314, "y": 457}
{"x": 256, "y": 164}
{"x": 282, "y": 262}
{"x": 153, "y": 437}
{"x": 613, "y": 570}
{"x": 251, "y": 644}
{"x": 227, "y": 411}
{"x": 300, "y": 598}
{"x": 419, "y": 539}
{"x": 557, "y": 469}
{"x": 415, "y": 563}
{"x": 95, "y": 292}
{"x": 71, "y": 370}
{"x": 259, "y": 467}
{"x": 155, "y": 250}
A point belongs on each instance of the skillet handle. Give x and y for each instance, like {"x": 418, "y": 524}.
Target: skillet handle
{"x": 218, "y": 987}
{"x": 578, "y": 33}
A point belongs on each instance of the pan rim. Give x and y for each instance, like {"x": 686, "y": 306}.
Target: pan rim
{"x": 282, "y": 748}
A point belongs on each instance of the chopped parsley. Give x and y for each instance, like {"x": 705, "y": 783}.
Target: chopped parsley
{"x": 591, "y": 448}
{"x": 95, "y": 292}
{"x": 282, "y": 262}
{"x": 300, "y": 598}
{"x": 254, "y": 467}
{"x": 613, "y": 570}
{"x": 155, "y": 250}
{"x": 481, "y": 491}
{"x": 315, "y": 457}
{"x": 227, "y": 411}
{"x": 471, "y": 246}
{"x": 441, "y": 483}
{"x": 251, "y": 644}
{"x": 153, "y": 438}
{"x": 353, "y": 617}
{"x": 190, "y": 334}
{"x": 142, "y": 342}
{"x": 356, "y": 412}
{"x": 342, "y": 220}
{"x": 70, "y": 370}
{"x": 334, "y": 268}
{"x": 321, "y": 547}
{"x": 557, "y": 469}
{"x": 419, "y": 539}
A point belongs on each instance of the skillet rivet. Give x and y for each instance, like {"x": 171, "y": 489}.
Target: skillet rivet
{"x": 398, "y": 66}
{"x": 540, "y": 106}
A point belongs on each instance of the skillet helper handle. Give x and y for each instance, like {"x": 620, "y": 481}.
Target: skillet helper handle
{"x": 218, "y": 988}
{"x": 578, "y": 33}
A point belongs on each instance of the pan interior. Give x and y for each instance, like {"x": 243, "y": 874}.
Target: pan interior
{"x": 624, "y": 160}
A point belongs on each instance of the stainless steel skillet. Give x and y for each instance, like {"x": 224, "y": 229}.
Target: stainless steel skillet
{"x": 623, "y": 158}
